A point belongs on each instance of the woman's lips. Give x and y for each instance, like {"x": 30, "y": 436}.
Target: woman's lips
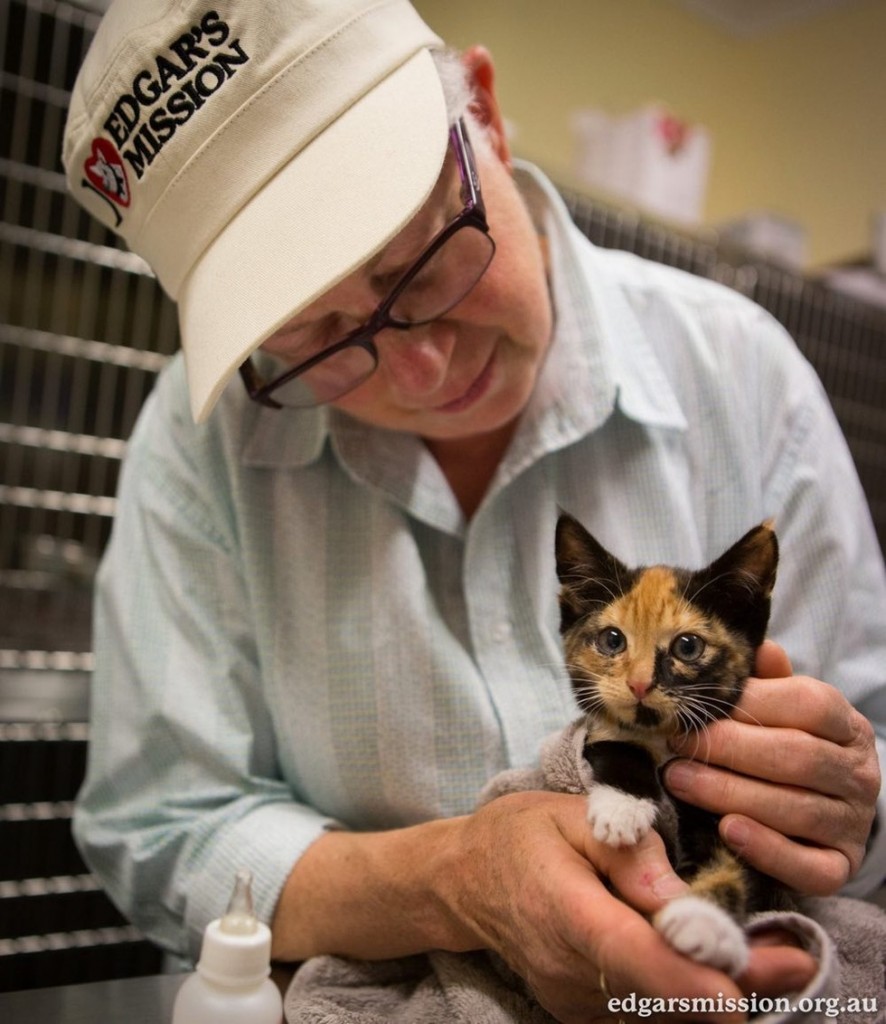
{"x": 477, "y": 389}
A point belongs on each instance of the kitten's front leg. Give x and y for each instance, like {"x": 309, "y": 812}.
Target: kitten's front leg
{"x": 625, "y": 795}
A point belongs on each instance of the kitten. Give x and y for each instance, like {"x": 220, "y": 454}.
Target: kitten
{"x": 652, "y": 653}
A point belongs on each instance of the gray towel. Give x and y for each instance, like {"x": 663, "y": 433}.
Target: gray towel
{"x": 433, "y": 988}
{"x": 846, "y": 937}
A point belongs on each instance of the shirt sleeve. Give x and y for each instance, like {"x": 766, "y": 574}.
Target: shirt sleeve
{"x": 183, "y": 785}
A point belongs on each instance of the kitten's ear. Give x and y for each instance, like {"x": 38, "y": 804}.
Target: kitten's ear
{"x": 738, "y": 585}
{"x": 588, "y": 573}
{"x": 754, "y": 558}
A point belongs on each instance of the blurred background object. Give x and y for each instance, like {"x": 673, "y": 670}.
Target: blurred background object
{"x": 792, "y": 95}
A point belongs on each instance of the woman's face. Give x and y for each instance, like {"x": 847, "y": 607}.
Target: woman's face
{"x": 472, "y": 371}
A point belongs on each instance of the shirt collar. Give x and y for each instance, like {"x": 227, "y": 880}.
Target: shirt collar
{"x": 601, "y": 357}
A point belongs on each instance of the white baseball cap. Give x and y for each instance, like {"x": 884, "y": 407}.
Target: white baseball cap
{"x": 254, "y": 152}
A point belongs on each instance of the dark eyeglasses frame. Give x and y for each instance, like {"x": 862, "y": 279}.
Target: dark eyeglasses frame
{"x": 473, "y": 215}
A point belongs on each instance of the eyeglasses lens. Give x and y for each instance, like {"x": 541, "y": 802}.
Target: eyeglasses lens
{"x": 328, "y": 379}
{"x": 438, "y": 286}
{"x": 445, "y": 279}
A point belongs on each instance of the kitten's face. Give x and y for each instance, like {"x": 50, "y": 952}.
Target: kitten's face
{"x": 651, "y": 658}
{"x": 661, "y": 648}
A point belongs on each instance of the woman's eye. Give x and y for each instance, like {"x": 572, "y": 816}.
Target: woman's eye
{"x": 296, "y": 344}
{"x": 688, "y": 647}
{"x": 611, "y": 641}
{"x": 429, "y": 279}
{"x": 383, "y": 284}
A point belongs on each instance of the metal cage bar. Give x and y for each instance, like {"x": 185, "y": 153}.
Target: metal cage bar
{"x": 84, "y": 329}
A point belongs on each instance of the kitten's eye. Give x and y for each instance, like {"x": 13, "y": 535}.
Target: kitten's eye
{"x": 611, "y": 641}
{"x": 688, "y": 647}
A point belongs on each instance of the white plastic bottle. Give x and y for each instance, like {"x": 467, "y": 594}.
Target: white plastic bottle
{"x": 231, "y": 984}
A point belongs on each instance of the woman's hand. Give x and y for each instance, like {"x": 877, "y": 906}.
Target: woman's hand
{"x": 528, "y": 884}
{"x": 523, "y": 876}
{"x": 795, "y": 774}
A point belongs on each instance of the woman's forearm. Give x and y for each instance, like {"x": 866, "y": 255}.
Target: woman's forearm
{"x": 371, "y": 895}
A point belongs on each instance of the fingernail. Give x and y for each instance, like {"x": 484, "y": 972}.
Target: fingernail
{"x": 680, "y": 776}
{"x": 736, "y": 833}
{"x": 669, "y": 886}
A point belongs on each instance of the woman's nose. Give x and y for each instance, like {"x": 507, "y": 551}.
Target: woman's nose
{"x": 416, "y": 361}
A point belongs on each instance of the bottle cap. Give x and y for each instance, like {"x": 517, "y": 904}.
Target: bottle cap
{"x": 236, "y": 948}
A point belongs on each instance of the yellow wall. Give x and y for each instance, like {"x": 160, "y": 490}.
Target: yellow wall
{"x": 797, "y": 115}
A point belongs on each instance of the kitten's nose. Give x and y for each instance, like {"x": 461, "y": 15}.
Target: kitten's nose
{"x": 639, "y": 689}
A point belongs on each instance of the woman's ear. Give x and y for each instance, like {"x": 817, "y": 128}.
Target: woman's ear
{"x": 481, "y": 78}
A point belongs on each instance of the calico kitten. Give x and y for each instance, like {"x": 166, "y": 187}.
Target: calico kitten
{"x": 653, "y": 652}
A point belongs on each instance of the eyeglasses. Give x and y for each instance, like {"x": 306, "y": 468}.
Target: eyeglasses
{"x": 327, "y": 365}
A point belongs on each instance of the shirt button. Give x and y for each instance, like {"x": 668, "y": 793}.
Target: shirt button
{"x": 501, "y": 631}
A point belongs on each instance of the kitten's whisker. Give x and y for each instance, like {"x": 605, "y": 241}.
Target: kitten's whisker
{"x": 578, "y": 581}
{"x": 695, "y": 753}
{"x": 753, "y": 718}
{"x": 699, "y": 716}
{"x": 708, "y": 583}
{"x": 720, "y": 702}
{"x": 710, "y": 703}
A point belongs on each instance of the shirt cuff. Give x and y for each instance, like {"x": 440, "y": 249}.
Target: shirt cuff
{"x": 267, "y": 842}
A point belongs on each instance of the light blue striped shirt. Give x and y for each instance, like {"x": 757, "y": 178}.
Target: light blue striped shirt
{"x": 296, "y": 628}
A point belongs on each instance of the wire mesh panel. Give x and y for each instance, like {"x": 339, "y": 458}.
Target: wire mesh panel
{"x": 615, "y": 228}
{"x": 845, "y": 340}
{"x": 83, "y": 331}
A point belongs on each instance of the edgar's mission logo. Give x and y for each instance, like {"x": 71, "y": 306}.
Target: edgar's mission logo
{"x": 105, "y": 172}
{"x": 170, "y": 87}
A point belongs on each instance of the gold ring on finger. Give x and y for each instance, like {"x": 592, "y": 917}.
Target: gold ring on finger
{"x": 605, "y": 991}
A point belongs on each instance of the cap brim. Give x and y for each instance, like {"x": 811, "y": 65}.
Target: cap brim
{"x": 327, "y": 211}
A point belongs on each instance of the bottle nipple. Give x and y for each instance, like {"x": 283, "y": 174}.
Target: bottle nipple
{"x": 231, "y": 983}
{"x": 239, "y": 918}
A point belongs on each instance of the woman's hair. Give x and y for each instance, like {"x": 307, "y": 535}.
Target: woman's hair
{"x": 454, "y": 79}
{"x": 458, "y": 94}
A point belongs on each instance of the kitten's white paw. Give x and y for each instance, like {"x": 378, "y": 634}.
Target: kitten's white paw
{"x": 617, "y": 818}
{"x": 705, "y": 932}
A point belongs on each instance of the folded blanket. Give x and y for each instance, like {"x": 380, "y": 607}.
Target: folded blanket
{"x": 846, "y": 937}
